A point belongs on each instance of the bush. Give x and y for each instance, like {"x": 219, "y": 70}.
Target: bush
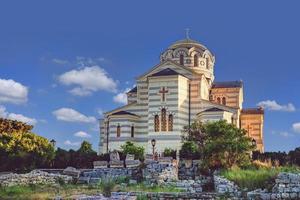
{"x": 168, "y": 152}
{"x": 131, "y": 148}
{"x": 189, "y": 150}
{"x": 107, "y": 186}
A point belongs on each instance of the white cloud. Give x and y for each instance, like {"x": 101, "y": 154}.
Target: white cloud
{"x": 273, "y": 105}
{"x": 69, "y": 143}
{"x": 22, "y": 118}
{"x": 284, "y": 134}
{"x": 71, "y": 115}
{"x": 78, "y": 91}
{"x": 82, "y": 134}
{"x": 87, "y": 61}
{"x": 121, "y": 97}
{"x": 60, "y": 61}
{"x": 12, "y": 92}
{"x": 100, "y": 112}
{"x": 3, "y": 112}
{"x": 18, "y": 117}
{"x": 296, "y": 127}
{"x": 88, "y": 80}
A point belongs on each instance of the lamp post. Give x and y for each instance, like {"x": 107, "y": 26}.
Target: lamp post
{"x": 153, "y": 143}
{"x": 53, "y": 143}
{"x": 254, "y": 144}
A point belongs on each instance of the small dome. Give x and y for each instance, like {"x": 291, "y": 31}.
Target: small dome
{"x": 190, "y": 53}
{"x": 187, "y": 43}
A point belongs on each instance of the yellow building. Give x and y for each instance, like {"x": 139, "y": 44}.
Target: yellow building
{"x": 180, "y": 89}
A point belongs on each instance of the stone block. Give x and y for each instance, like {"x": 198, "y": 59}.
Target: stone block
{"x": 132, "y": 163}
{"x": 116, "y": 164}
{"x": 166, "y": 160}
{"x": 100, "y": 164}
{"x": 71, "y": 171}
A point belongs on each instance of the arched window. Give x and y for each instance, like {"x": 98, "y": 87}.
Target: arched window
{"x": 196, "y": 61}
{"x": 207, "y": 63}
{"x": 163, "y": 119}
{"x": 118, "y": 130}
{"x": 170, "y": 124}
{"x": 156, "y": 123}
{"x": 181, "y": 59}
{"x": 219, "y": 100}
{"x": 224, "y": 101}
{"x": 132, "y": 131}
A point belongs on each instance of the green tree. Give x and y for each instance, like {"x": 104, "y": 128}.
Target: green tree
{"x": 24, "y": 151}
{"x": 131, "y": 148}
{"x": 221, "y": 144}
{"x": 86, "y": 147}
{"x": 84, "y": 156}
{"x": 226, "y": 145}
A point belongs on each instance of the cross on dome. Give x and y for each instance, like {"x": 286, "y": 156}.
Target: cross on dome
{"x": 187, "y": 33}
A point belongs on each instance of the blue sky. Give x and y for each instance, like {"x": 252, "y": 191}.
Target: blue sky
{"x": 51, "y": 52}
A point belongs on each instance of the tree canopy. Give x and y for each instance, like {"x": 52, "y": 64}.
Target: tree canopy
{"x": 220, "y": 144}
{"x": 22, "y": 150}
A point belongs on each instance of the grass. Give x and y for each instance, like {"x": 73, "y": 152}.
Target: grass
{"x": 68, "y": 191}
{"x": 46, "y": 191}
{"x": 256, "y": 178}
{"x": 146, "y": 188}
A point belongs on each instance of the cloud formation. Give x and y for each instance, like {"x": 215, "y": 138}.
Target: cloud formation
{"x": 121, "y": 97}
{"x": 88, "y": 80}
{"x": 12, "y": 92}
{"x": 296, "y": 127}
{"x": 60, "y": 61}
{"x": 274, "y": 106}
{"x": 18, "y": 117}
{"x": 71, "y": 115}
{"x": 82, "y": 134}
{"x": 69, "y": 143}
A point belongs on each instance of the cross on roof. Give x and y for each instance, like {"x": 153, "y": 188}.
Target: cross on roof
{"x": 163, "y": 93}
{"x": 187, "y": 33}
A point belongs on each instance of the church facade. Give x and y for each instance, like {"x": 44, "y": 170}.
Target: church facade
{"x": 173, "y": 94}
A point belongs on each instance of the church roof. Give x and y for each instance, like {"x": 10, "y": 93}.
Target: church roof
{"x": 228, "y": 84}
{"x": 253, "y": 111}
{"x": 122, "y": 112}
{"x": 133, "y": 90}
{"x": 187, "y": 43}
{"x": 166, "y": 72}
{"x": 214, "y": 109}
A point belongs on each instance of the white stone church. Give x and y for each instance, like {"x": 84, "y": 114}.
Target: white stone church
{"x": 177, "y": 91}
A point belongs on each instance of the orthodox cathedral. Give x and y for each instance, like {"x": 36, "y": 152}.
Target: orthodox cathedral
{"x": 180, "y": 89}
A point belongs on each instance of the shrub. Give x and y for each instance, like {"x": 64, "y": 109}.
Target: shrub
{"x": 168, "y": 152}
{"x": 189, "y": 150}
{"x": 131, "y": 148}
{"x": 122, "y": 179}
{"x": 107, "y": 186}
